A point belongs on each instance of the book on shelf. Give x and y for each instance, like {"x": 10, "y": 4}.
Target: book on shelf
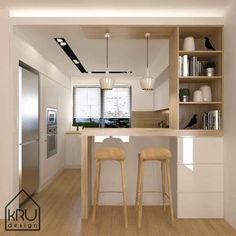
{"x": 212, "y": 120}
{"x": 190, "y": 66}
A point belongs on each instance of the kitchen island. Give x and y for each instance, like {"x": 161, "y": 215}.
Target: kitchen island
{"x": 197, "y": 159}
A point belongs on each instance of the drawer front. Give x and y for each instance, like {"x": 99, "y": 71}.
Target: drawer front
{"x": 200, "y": 178}
{"x": 200, "y": 205}
{"x": 200, "y": 150}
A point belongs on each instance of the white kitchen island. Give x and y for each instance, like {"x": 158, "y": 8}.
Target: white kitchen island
{"x": 196, "y": 169}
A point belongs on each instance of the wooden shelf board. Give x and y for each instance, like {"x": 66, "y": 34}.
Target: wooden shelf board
{"x": 200, "y": 53}
{"x": 198, "y": 79}
{"x": 200, "y": 103}
{"x": 201, "y": 132}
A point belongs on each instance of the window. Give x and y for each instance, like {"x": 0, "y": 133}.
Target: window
{"x": 116, "y": 107}
{"x": 94, "y": 107}
{"x": 87, "y": 107}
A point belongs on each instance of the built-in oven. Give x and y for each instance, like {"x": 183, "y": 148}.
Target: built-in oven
{"x": 51, "y": 132}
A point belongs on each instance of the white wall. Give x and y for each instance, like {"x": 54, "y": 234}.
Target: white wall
{"x": 230, "y": 114}
{"x": 8, "y": 134}
{"x": 54, "y": 92}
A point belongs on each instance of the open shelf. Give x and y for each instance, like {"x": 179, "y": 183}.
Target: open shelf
{"x": 201, "y": 53}
{"x": 200, "y": 103}
{"x": 201, "y": 132}
{"x": 198, "y": 79}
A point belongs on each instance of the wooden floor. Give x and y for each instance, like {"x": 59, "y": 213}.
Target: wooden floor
{"x": 60, "y": 207}
{"x": 60, "y": 216}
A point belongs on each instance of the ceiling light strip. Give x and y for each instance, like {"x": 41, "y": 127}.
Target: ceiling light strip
{"x": 67, "y": 49}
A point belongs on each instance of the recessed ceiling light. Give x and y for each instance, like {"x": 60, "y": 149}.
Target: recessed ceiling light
{"x": 59, "y": 40}
{"x": 67, "y": 49}
{"x": 75, "y": 61}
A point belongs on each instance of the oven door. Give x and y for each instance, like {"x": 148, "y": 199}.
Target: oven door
{"x": 51, "y": 143}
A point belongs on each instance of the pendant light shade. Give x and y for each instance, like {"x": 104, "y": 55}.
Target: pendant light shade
{"x": 107, "y": 82}
{"x": 147, "y": 83}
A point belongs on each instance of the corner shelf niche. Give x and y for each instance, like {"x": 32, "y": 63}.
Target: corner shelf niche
{"x": 186, "y": 110}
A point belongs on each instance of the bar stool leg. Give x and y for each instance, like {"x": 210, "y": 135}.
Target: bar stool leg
{"x": 140, "y": 193}
{"x": 137, "y": 186}
{"x": 163, "y": 176}
{"x": 124, "y": 192}
{"x": 96, "y": 189}
{"x": 167, "y": 164}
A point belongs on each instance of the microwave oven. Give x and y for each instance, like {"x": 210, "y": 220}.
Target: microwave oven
{"x": 51, "y": 116}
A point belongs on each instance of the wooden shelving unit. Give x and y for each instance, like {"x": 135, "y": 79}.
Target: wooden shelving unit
{"x": 185, "y": 110}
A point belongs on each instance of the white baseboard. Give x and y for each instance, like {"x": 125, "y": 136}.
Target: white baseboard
{"x": 50, "y": 180}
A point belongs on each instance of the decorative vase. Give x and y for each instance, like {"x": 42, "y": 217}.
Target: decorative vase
{"x": 210, "y": 71}
{"x": 197, "y": 96}
{"x": 184, "y": 98}
{"x": 189, "y": 44}
{"x": 206, "y": 93}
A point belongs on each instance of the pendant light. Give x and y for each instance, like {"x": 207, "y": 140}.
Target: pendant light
{"x": 107, "y": 82}
{"x": 147, "y": 83}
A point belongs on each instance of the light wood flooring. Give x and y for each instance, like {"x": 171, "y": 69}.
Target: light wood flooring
{"x": 60, "y": 216}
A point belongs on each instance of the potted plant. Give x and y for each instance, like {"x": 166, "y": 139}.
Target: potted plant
{"x": 210, "y": 68}
{"x": 184, "y": 94}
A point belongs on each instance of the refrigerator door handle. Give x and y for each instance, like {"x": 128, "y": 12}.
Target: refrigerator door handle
{"x": 32, "y": 141}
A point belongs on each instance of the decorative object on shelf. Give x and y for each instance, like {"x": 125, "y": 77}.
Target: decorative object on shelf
{"x": 107, "y": 82}
{"x": 206, "y": 93}
{"x": 208, "y": 44}
{"x": 209, "y": 67}
{"x": 189, "y": 44}
{"x": 184, "y": 94}
{"x": 147, "y": 83}
{"x": 197, "y": 96}
{"x": 192, "y": 122}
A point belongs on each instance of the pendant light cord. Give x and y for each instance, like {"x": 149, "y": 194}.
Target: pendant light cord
{"x": 107, "y": 36}
{"x": 147, "y": 52}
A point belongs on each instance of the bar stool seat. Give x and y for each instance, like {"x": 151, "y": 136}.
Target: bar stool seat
{"x": 154, "y": 154}
{"x": 110, "y": 154}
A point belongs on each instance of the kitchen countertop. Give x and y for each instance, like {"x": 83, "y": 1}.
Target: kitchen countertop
{"x": 146, "y": 132}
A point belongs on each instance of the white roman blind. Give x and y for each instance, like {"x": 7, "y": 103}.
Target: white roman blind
{"x": 116, "y": 103}
{"x": 87, "y": 103}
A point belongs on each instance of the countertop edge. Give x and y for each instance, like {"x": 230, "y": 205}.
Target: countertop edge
{"x": 146, "y": 132}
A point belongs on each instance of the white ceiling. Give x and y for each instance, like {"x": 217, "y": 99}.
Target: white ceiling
{"x": 207, "y": 8}
{"x": 124, "y": 54}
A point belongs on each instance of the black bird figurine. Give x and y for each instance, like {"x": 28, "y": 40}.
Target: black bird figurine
{"x": 192, "y": 122}
{"x": 208, "y": 44}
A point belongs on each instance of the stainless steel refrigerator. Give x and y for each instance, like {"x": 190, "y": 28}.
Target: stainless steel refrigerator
{"x": 28, "y": 130}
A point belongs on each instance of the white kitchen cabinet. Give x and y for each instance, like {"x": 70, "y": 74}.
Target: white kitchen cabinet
{"x": 200, "y": 177}
{"x": 73, "y": 149}
{"x": 200, "y": 205}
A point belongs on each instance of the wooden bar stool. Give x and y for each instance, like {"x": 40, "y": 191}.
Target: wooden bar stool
{"x": 154, "y": 154}
{"x": 111, "y": 154}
